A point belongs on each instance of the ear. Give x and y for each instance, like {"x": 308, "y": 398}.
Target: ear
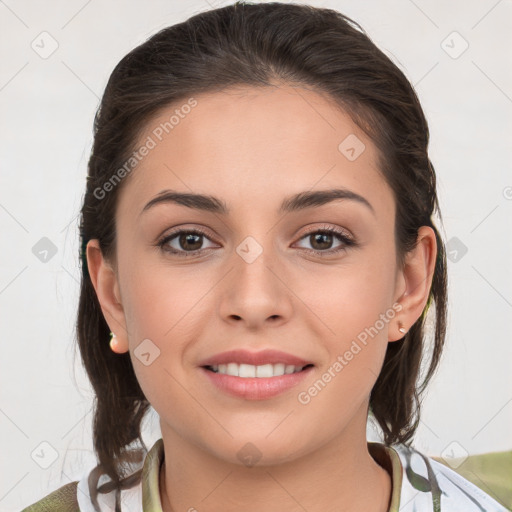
{"x": 106, "y": 285}
{"x": 414, "y": 281}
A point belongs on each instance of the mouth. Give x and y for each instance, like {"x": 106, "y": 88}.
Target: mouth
{"x": 255, "y": 375}
{"x": 247, "y": 371}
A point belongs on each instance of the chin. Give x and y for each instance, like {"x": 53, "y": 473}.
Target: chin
{"x": 252, "y": 451}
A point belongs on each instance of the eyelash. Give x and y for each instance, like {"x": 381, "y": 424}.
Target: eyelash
{"x": 340, "y": 235}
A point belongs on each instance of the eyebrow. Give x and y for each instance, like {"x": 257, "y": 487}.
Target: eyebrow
{"x": 297, "y": 202}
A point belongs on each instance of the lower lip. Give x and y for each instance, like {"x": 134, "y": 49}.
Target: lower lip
{"x": 256, "y": 388}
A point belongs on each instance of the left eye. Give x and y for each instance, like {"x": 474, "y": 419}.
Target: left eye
{"x": 323, "y": 239}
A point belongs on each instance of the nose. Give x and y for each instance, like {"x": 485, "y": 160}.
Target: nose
{"x": 255, "y": 291}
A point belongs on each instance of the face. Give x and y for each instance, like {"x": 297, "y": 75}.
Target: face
{"x": 316, "y": 280}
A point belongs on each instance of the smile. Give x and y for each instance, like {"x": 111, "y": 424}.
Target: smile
{"x": 255, "y": 382}
{"x": 262, "y": 371}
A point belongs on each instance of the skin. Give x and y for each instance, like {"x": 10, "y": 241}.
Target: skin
{"x": 232, "y": 146}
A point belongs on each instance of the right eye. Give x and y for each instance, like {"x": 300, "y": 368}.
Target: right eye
{"x": 186, "y": 242}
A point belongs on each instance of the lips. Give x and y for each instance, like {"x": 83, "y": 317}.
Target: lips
{"x": 263, "y": 357}
{"x": 254, "y": 388}
{"x": 255, "y": 375}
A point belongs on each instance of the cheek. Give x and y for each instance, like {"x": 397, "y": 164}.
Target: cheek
{"x": 355, "y": 306}
{"x": 165, "y": 310}
{"x": 351, "y": 297}
{"x": 358, "y": 312}
{"x": 160, "y": 300}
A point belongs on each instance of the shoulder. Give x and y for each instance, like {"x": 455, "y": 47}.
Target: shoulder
{"x": 63, "y": 499}
{"x": 140, "y": 486}
{"x": 428, "y": 484}
{"x": 491, "y": 472}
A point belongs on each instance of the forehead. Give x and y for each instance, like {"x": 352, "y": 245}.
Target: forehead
{"x": 253, "y": 144}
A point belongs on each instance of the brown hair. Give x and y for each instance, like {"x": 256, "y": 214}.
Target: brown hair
{"x": 259, "y": 45}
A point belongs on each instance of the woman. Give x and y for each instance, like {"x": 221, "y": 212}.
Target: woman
{"x": 258, "y": 233}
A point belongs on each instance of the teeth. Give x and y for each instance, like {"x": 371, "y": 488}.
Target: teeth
{"x": 249, "y": 370}
{"x": 245, "y": 370}
{"x": 232, "y": 369}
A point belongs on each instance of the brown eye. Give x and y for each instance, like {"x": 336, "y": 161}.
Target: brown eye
{"x": 190, "y": 241}
{"x": 185, "y": 242}
{"x": 321, "y": 241}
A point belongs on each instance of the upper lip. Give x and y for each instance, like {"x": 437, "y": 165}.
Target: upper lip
{"x": 242, "y": 356}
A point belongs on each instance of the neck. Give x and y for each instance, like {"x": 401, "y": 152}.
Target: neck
{"x": 340, "y": 476}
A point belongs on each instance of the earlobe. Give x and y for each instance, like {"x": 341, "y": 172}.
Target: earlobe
{"x": 105, "y": 283}
{"x": 416, "y": 279}
{"x": 115, "y": 344}
{"x": 397, "y": 331}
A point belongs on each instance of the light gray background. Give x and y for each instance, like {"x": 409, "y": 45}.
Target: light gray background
{"x": 47, "y": 108}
